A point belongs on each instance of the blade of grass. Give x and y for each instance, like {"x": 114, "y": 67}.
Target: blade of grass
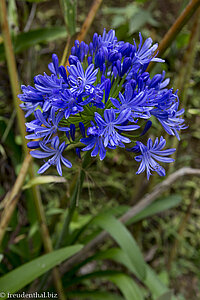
{"x": 68, "y": 8}
{"x": 23, "y": 275}
{"x": 127, "y": 286}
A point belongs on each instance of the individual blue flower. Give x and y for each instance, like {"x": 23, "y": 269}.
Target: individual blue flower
{"x": 170, "y": 119}
{"x": 78, "y": 79}
{"x": 95, "y": 95}
{"x": 72, "y": 131}
{"x": 31, "y": 98}
{"x": 53, "y": 66}
{"x": 79, "y": 50}
{"x": 50, "y": 87}
{"x": 70, "y": 103}
{"x": 150, "y": 154}
{"x": 48, "y": 84}
{"x": 82, "y": 128}
{"x": 110, "y": 126}
{"x": 135, "y": 103}
{"x": 100, "y": 58}
{"x": 33, "y": 145}
{"x": 146, "y": 127}
{"x": 45, "y": 128}
{"x": 126, "y": 49}
{"x": 107, "y": 40}
{"x": 94, "y": 140}
{"x": 55, "y": 153}
{"x": 60, "y": 72}
{"x": 145, "y": 52}
{"x": 57, "y": 81}
{"x": 123, "y": 67}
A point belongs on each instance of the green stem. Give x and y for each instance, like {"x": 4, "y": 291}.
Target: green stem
{"x": 66, "y": 51}
{"x": 73, "y": 202}
{"x": 75, "y": 145}
{"x": 68, "y": 216}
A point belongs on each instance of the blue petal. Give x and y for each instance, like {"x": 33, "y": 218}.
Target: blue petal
{"x": 40, "y": 154}
{"x": 44, "y": 168}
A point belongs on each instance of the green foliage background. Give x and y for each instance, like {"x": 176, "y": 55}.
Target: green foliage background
{"x": 135, "y": 263}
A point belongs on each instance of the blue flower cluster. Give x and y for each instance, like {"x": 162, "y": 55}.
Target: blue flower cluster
{"x": 103, "y": 100}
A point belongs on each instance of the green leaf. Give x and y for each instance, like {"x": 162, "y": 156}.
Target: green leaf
{"x": 94, "y": 295}
{"x": 156, "y": 207}
{"x": 20, "y": 277}
{"x": 117, "y": 255}
{"x": 42, "y": 180}
{"x": 123, "y": 237}
{"x": 139, "y": 20}
{"x": 33, "y": 229}
{"x": 118, "y": 21}
{"x": 151, "y": 280}
{"x": 54, "y": 211}
{"x": 154, "y": 284}
{"x": 166, "y": 296}
{"x": 25, "y": 40}
{"x": 127, "y": 286}
{"x": 69, "y": 12}
{"x": 117, "y": 211}
{"x": 194, "y": 111}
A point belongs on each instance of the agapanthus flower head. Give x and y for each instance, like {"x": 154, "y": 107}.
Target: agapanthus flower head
{"x": 104, "y": 100}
